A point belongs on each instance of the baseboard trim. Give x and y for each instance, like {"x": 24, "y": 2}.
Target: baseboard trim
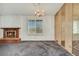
{"x": 38, "y": 40}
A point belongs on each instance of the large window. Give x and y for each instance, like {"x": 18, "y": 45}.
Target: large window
{"x": 35, "y": 27}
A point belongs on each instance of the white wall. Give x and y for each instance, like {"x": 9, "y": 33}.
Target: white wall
{"x": 21, "y": 21}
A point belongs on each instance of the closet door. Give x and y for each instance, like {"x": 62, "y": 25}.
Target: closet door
{"x": 58, "y": 27}
{"x": 63, "y": 26}
{"x": 68, "y": 27}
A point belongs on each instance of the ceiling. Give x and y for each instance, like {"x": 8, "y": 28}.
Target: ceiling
{"x": 28, "y": 8}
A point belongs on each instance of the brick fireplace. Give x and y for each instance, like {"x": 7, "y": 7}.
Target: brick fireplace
{"x": 10, "y": 35}
{"x": 10, "y": 32}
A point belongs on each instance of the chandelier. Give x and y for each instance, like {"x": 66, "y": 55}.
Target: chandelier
{"x": 38, "y": 10}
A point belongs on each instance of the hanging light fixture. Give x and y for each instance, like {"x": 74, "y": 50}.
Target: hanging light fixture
{"x": 38, "y": 10}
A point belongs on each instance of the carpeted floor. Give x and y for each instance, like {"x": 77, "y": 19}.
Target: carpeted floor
{"x": 33, "y": 49}
{"x": 75, "y": 48}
